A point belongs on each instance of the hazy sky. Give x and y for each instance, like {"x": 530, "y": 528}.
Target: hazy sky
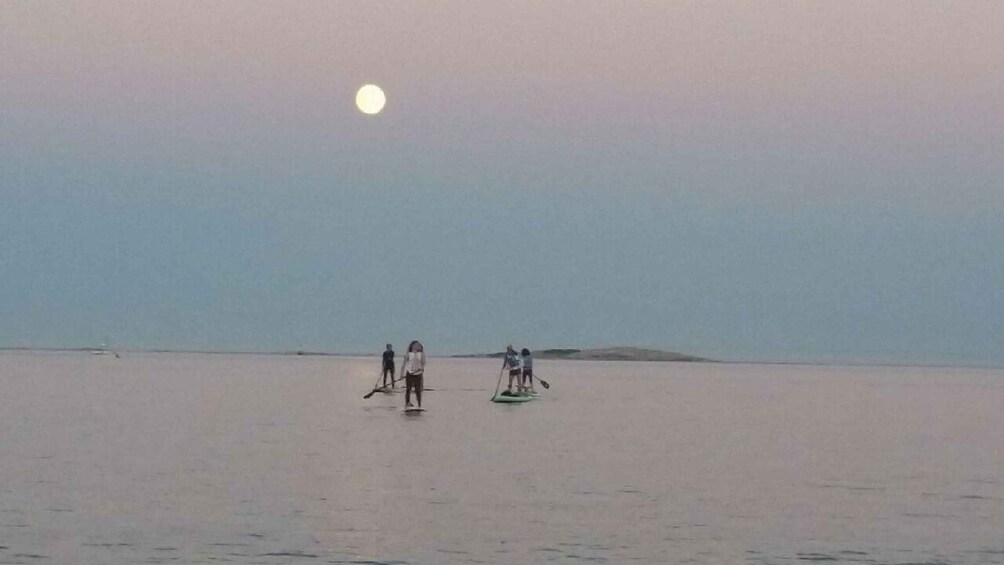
{"x": 743, "y": 180}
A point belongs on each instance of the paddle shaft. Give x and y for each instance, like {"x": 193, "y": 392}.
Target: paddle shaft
{"x": 499, "y": 383}
{"x": 376, "y": 385}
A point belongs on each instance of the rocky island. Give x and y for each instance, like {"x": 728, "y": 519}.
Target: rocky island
{"x": 604, "y": 354}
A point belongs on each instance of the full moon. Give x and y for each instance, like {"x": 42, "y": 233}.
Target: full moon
{"x": 370, "y": 99}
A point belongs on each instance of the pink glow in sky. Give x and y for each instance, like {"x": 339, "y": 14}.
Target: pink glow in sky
{"x": 805, "y": 90}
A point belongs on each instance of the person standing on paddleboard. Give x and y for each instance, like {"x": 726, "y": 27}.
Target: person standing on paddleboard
{"x": 388, "y": 365}
{"x": 413, "y": 368}
{"x": 527, "y": 359}
{"x": 512, "y": 363}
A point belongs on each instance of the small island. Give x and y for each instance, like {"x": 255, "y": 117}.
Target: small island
{"x": 604, "y": 354}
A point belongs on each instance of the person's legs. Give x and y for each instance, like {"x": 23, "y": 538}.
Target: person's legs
{"x": 509, "y": 388}
{"x": 418, "y": 388}
{"x": 385, "y": 376}
{"x": 391, "y": 369}
{"x": 408, "y": 383}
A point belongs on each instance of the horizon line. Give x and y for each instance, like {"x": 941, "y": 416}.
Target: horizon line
{"x": 306, "y": 353}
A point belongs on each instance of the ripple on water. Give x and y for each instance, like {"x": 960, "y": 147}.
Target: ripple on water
{"x": 366, "y": 562}
{"x": 291, "y": 553}
{"x": 109, "y": 545}
{"x": 815, "y": 557}
{"x": 238, "y": 544}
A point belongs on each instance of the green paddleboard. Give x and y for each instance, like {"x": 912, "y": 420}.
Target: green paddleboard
{"x": 507, "y": 398}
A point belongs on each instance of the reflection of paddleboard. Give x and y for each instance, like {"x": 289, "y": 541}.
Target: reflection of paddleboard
{"x": 414, "y": 410}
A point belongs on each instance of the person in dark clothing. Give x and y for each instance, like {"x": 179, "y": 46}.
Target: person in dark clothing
{"x": 388, "y": 365}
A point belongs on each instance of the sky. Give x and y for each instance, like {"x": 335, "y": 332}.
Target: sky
{"x": 739, "y": 180}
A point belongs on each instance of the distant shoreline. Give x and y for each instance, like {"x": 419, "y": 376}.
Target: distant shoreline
{"x": 602, "y": 354}
{"x": 199, "y": 351}
{"x": 542, "y": 354}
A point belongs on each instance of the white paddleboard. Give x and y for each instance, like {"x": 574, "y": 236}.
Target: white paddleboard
{"x": 414, "y": 410}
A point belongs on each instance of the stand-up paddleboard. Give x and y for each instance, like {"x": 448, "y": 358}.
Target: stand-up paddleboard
{"x": 513, "y": 398}
{"x": 413, "y": 410}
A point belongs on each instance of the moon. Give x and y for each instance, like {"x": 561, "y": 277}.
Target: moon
{"x": 370, "y": 99}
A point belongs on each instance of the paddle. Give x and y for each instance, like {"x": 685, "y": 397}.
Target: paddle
{"x": 375, "y": 386}
{"x": 542, "y": 381}
{"x": 499, "y": 383}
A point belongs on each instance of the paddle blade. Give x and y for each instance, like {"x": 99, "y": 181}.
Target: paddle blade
{"x": 369, "y": 394}
{"x": 543, "y": 382}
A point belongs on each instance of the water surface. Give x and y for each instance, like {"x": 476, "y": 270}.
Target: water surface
{"x": 160, "y": 458}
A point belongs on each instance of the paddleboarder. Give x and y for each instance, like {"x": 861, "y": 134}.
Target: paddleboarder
{"x": 413, "y": 368}
{"x": 388, "y": 365}
{"x": 512, "y": 364}
{"x": 527, "y": 359}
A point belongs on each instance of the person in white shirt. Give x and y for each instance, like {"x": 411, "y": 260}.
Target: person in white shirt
{"x": 512, "y": 364}
{"x": 527, "y": 358}
{"x": 413, "y": 368}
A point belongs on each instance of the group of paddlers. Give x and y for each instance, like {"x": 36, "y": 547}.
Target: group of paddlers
{"x": 519, "y": 365}
{"x": 412, "y": 367}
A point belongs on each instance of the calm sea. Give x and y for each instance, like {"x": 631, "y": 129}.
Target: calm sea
{"x": 186, "y": 458}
